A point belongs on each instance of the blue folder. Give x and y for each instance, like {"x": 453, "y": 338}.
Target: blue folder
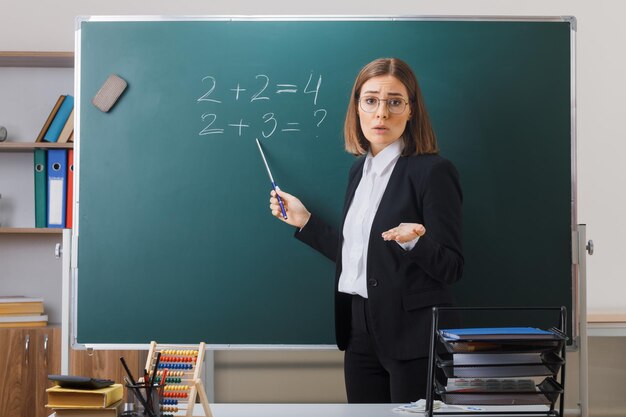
{"x": 57, "y": 187}
{"x": 495, "y": 333}
{"x": 53, "y": 132}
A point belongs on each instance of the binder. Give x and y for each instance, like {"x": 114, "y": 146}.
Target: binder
{"x": 52, "y": 135}
{"x": 70, "y": 189}
{"x": 41, "y": 178}
{"x": 57, "y": 187}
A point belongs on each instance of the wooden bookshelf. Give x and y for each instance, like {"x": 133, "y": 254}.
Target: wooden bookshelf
{"x": 30, "y": 231}
{"x": 30, "y": 146}
{"x": 42, "y": 60}
{"x": 37, "y": 59}
{"x": 30, "y": 367}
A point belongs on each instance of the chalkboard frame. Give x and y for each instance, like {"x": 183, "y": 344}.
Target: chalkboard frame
{"x": 574, "y": 316}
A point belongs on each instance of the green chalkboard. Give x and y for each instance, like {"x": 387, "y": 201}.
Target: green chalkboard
{"x": 175, "y": 239}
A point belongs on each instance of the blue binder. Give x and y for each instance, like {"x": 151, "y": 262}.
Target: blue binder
{"x": 57, "y": 187}
{"x": 53, "y": 132}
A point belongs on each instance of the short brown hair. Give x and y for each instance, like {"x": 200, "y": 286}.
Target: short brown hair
{"x": 418, "y": 136}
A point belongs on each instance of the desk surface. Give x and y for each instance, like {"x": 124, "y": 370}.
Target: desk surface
{"x": 332, "y": 410}
{"x": 326, "y": 410}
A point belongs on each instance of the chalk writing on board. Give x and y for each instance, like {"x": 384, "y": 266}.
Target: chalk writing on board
{"x": 205, "y": 97}
{"x": 260, "y": 87}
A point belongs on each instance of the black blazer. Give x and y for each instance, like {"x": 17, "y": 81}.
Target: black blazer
{"x": 402, "y": 285}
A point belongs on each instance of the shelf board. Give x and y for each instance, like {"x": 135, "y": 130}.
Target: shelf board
{"x": 606, "y": 318}
{"x": 606, "y": 325}
{"x": 30, "y": 231}
{"x": 37, "y": 59}
{"x": 29, "y": 146}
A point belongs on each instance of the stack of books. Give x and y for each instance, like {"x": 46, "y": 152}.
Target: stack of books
{"x": 71, "y": 402}
{"x": 20, "y": 311}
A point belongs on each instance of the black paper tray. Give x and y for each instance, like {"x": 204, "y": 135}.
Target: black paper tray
{"x": 548, "y": 392}
{"x": 550, "y": 365}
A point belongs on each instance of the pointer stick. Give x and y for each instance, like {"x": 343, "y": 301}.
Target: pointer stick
{"x": 280, "y": 201}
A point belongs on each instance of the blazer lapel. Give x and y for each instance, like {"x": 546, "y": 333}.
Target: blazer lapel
{"x": 350, "y": 191}
{"x": 391, "y": 191}
{"x": 354, "y": 183}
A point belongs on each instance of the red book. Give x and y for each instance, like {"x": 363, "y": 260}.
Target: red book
{"x": 70, "y": 188}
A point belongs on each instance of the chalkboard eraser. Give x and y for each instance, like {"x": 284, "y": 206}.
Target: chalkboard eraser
{"x": 109, "y": 93}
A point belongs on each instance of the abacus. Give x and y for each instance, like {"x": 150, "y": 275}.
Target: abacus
{"x": 182, "y": 366}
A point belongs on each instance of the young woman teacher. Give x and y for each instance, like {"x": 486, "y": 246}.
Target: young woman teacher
{"x": 399, "y": 249}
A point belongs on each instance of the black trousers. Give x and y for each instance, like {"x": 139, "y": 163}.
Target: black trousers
{"x": 374, "y": 378}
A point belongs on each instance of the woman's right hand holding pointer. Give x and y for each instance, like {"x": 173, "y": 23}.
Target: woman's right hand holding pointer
{"x": 297, "y": 214}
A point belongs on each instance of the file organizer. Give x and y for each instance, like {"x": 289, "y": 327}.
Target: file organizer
{"x": 182, "y": 381}
{"x": 494, "y": 357}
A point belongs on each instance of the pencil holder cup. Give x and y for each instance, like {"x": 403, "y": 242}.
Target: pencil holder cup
{"x": 147, "y": 399}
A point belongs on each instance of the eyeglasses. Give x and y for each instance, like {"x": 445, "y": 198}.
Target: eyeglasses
{"x": 369, "y": 104}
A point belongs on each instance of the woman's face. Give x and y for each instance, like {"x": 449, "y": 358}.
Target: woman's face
{"x": 385, "y": 123}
